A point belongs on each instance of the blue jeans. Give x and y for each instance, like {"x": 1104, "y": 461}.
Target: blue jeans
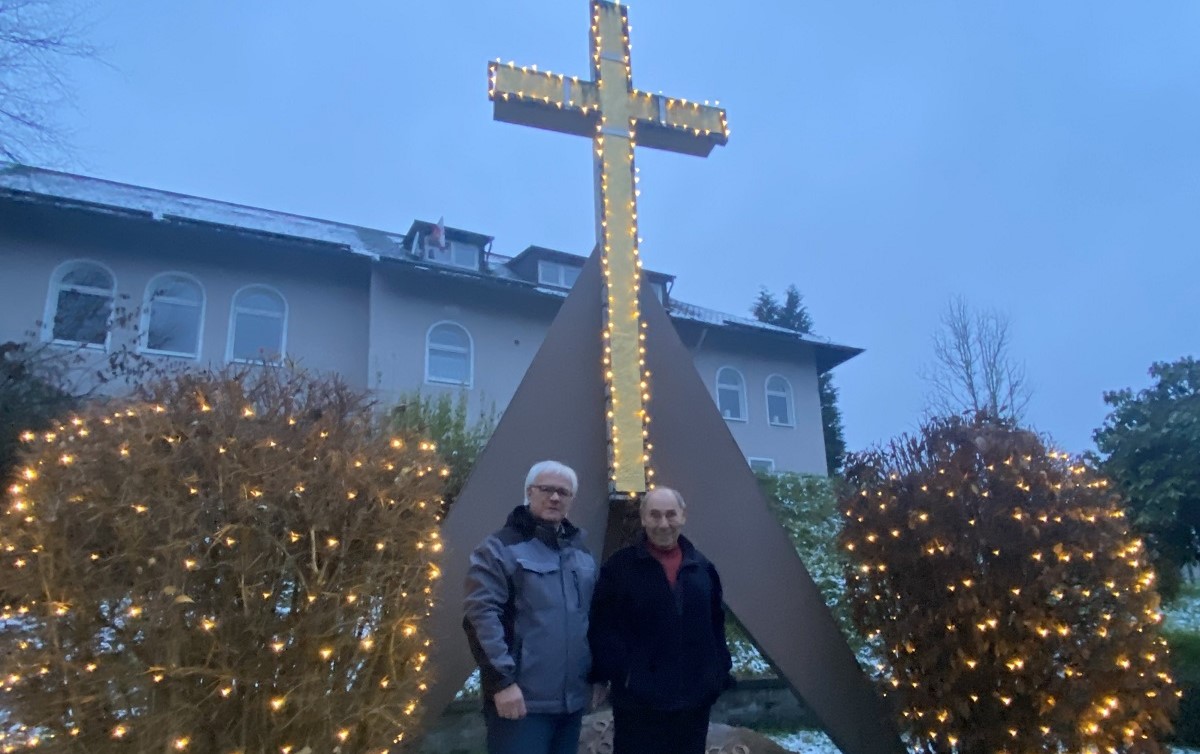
{"x": 533, "y": 734}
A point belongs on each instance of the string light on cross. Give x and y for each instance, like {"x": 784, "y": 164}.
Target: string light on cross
{"x": 617, "y": 117}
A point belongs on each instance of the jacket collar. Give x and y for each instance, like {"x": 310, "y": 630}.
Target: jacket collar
{"x": 529, "y": 527}
{"x": 642, "y": 546}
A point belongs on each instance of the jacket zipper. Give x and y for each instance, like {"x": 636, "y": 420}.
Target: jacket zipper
{"x": 562, "y": 580}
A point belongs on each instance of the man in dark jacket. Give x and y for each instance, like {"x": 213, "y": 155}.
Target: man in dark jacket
{"x": 658, "y": 635}
{"x": 528, "y": 589}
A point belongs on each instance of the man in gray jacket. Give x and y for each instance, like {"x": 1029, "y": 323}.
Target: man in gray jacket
{"x": 528, "y": 590}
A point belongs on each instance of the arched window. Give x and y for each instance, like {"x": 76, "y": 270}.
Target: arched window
{"x": 80, "y": 305}
{"x": 448, "y": 355}
{"x": 172, "y": 316}
{"x": 779, "y": 402}
{"x": 258, "y": 328}
{"x": 731, "y": 394}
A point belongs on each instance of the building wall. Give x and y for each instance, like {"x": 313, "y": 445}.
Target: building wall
{"x": 505, "y": 333}
{"x": 367, "y": 321}
{"x": 800, "y": 447}
{"x": 326, "y": 295}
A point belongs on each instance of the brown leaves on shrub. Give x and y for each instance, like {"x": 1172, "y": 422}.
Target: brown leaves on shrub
{"x": 239, "y": 563}
{"x": 1014, "y": 609}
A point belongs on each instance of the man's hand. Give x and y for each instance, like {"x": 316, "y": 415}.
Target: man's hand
{"x": 599, "y": 695}
{"x": 510, "y": 702}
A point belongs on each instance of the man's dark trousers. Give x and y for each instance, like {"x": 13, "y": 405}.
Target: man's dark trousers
{"x": 645, "y": 731}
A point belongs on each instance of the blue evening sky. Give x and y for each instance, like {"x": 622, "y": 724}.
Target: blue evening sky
{"x": 1040, "y": 157}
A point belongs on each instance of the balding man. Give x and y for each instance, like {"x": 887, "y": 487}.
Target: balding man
{"x": 657, "y": 634}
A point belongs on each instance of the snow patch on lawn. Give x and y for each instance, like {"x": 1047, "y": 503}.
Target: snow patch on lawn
{"x": 816, "y": 742}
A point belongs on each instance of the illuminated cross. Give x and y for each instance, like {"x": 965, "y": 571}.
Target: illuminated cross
{"x": 696, "y": 454}
{"x": 615, "y": 116}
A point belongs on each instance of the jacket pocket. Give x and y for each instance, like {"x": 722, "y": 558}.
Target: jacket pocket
{"x": 540, "y": 583}
{"x": 639, "y": 676}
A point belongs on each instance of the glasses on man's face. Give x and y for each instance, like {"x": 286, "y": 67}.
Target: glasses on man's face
{"x": 551, "y": 489}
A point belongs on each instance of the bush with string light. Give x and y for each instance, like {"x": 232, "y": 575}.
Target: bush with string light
{"x": 239, "y": 563}
{"x": 1000, "y": 584}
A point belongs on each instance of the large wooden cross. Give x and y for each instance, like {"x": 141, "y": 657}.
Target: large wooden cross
{"x": 617, "y": 117}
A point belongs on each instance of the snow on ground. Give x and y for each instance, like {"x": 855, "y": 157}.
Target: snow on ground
{"x": 747, "y": 661}
{"x": 806, "y": 741}
{"x": 816, "y": 742}
{"x": 1184, "y": 613}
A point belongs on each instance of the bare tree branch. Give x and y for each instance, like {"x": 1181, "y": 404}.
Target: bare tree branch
{"x": 973, "y": 369}
{"x": 37, "y": 39}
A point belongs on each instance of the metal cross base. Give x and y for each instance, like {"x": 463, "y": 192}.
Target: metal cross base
{"x": 766, "y": 585}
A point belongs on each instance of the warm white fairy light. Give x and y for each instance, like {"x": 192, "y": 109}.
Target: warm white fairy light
{"x": 23, "y": 504}
{"x": 613, "y": 110}
{"x": 1109, "y": 724}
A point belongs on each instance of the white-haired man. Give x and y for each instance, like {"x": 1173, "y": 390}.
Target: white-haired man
{"x": 528, "y": 590}
{"x": 658, "y": 635}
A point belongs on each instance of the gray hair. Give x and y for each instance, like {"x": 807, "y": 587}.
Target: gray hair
{"x": 551, "y": 467}
{"x": 673, "y": 491}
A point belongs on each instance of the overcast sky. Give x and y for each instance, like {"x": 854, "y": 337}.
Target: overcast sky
{"x": 1040, "y": 157}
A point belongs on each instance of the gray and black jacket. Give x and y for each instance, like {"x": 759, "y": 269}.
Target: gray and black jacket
{"x": 528, "y": 590}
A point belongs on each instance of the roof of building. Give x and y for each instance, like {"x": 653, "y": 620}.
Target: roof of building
{"x": 47, "y": 186}
{"x": 534, "y": 252}
{"x": 41, "y": 186}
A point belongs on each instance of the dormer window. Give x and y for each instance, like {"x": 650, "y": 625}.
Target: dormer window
{"x": 557, "y": 274}
{"x": 455, "y": 254}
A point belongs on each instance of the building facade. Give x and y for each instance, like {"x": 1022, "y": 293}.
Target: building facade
{"x": 93, "y": 265}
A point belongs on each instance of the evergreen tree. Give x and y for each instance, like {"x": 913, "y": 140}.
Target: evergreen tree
{"x": 792, "y": 313}
{"x": 31, "y": 395}
{"x": 1151, "y": 447}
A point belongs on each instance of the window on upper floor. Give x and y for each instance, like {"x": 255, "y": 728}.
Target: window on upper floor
{"x": 172, "y": 316}
{"x": 780, "y": 412}
{"x": 731, "y": 394}
{"x": 258, "y": 326}
{"x": 455, "y": 254}
{"x": 764, "y": 465}
{"x": 557, "y": 274}
{"x": 79, "y": 309}
{"x": 449, "y": 358}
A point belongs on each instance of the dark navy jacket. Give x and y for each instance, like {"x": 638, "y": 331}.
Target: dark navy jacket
{"x": 659, "y": 648}
{"x": 526, "y": 613}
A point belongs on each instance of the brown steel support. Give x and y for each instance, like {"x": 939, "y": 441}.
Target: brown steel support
{"x": 558, "y": 412}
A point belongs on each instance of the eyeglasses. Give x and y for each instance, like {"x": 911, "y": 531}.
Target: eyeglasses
{"x": 551, "y": 489}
